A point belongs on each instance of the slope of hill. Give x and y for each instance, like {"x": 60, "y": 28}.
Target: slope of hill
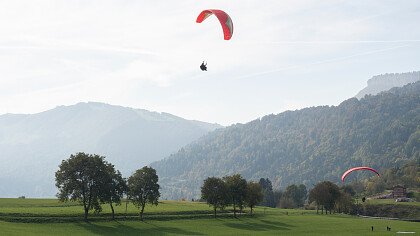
{"x": 380, "y": 83}
{"x": 303, "y": 146}
{"x": 32, "y": 146}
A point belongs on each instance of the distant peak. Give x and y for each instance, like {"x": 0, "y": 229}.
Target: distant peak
{"x": 384, "y": 82}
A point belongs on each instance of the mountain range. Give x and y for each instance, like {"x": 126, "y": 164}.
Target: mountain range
{"x": 33, "y": 145}
{"x": 284, "y": 147}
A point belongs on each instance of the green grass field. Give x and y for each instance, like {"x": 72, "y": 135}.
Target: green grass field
{"x": 180, "y": 218}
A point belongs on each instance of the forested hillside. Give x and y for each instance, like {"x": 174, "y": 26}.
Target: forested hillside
{"x": 303, "y": 146}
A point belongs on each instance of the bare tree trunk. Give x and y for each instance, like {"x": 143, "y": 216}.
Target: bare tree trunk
{"x": 214, "y": 212}
{"x": 89, "y": 203}
{"x": 85, "y": 207}
{"x": 234, "y": 210}
{"x": 86, "y": 212}
{"x": 126, "y": 206}
{"x": 142, "y": 210}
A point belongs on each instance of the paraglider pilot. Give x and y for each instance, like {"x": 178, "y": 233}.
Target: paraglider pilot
{"x": 203, "y": 66}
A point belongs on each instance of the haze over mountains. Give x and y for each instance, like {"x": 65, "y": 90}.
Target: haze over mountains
{"x": 302, "y": 146}
{"x": 379, "y": 83}
{"x": 32, "y": 146}
{"x": 284, "y": 147}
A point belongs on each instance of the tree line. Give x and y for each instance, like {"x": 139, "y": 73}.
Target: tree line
{"x": 231, "y": 190}
{"x": 324, "y": 195}
{"x": 329, "y": 197}
{"x": 293, "y": 196}
{"x": 235, "y": 191}
{"x": 90, "y": 180}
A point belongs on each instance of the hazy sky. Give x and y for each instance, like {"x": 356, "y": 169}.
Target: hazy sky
{"x": 146, "y": 54}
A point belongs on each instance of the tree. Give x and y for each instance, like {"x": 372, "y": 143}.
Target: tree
{"x": 237, "y": 190}
{"x": 254, "y": 194}
{"x": 296, "y": 194}
{"x": 317, "y": 195}
{"x": 348, "y": 189}
{"x": 81, "y": 178}
{"x": 302, "y": 195}
{"x": 143, "y": 188}
{"x": 344, "y": 203}
{"x": 215, "y": 192}
{"x": 266, "y": 184}
{"x": 268, "y": 195}
{"x": 114, "y": 189}
{"x": 325, "y": 194}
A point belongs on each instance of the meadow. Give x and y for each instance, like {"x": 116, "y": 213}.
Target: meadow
{"x": 50, "y": 217}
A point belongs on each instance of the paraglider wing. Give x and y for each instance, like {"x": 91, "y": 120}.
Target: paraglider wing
{"x": 357, "y": 168}
{"x": 224, "y": 20}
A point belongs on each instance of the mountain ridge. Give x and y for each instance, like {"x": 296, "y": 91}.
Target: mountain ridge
{"x": 33, "y": 145}
{"x": 302, "y": 146}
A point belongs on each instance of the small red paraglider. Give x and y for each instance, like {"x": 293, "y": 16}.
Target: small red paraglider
{"x": 357, "y": 168}
{"x": 224, "y": 20}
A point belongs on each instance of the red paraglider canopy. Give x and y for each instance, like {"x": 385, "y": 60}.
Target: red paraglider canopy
{"x": 357, "y": 168}
{"x": 224, "y": 19}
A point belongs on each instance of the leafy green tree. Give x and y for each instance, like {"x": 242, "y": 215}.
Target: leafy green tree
{"x": 254, "y": 194}
{"x": 114, "y": 189}
{"x": 325, "y": 194}
{"x": 348, "y": 189}
{"x": 345, "y": 202}
{"x": 215, "y": 192}
{"x": 302, "y": 194}
{"x": 237, "y": 190}
{"x": 315, "y": 195}
{"x": 266, "y": 184}
{"x": 81, "y": 178}
{"x": 268, "y": 194}
{"x": 297, "y": 194}
{"x": 143, "y": 188}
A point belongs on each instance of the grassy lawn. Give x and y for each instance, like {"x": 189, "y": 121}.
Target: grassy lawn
{"x": 266, "y": 221}
{"x": 52, "y": 207}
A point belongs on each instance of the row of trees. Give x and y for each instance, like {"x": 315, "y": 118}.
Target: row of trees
{"x": 325, "y": 195}
{"x": 328, "y": 196}
{"x": 293, "y": 196}
{"x": 92, "y": 181}
{"x": 236, "y": 191}
{"x": 231, "y": 190}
